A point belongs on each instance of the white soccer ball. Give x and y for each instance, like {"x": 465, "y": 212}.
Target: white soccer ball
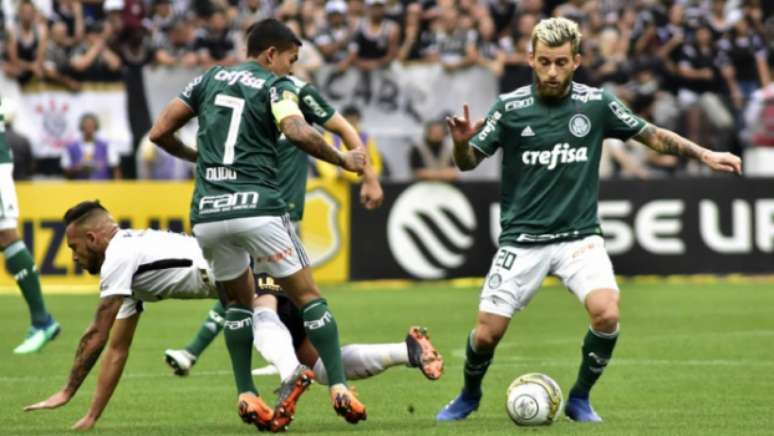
{"x": 534, "y": 399}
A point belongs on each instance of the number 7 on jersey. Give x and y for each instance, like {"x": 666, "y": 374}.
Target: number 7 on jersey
{"x": 237, "y": 105}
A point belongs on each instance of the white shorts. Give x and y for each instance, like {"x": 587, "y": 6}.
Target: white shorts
{"x": 270, "y": 240}
{"x": 9, "y": 205}
{"x": 518, "y": 271}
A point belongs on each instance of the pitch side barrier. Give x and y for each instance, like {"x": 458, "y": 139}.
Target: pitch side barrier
{"x": 432, "y": 230}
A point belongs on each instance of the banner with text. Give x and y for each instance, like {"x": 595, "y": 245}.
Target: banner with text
{"x": 431, "y": 230}
{"x": 164, "y": 205}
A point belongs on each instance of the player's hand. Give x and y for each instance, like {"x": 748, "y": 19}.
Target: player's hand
{"x": 85, "y": 423}
{"x": 461, "y": 128}
{"x": 354, "y": 160}
{"x": 371, "y": 194}
{"x": 725, "y": 162}
{"x": 58, "y": 399}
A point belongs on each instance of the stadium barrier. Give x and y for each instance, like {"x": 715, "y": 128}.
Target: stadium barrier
{"x": 431, "y": 230}
{"x": 163, "y": 205}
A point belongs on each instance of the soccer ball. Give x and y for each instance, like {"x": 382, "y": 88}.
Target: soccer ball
{"x": 534, "y": 399}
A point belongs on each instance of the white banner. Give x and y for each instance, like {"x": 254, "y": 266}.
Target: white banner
{"x": 50, "y": 118}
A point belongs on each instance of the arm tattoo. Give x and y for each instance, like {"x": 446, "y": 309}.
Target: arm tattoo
{"x": 668, "y": 142}
{"x": 89, "y": 349}
{"x": 306, "y": 138}
{"x": 465, "y": 157}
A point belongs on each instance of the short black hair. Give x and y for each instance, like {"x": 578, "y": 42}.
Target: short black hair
{"x": 82, "y": 209}
{"x": 267, "y": 33}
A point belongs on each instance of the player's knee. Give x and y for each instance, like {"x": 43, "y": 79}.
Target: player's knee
{"x": 485, "y": 338}
{"x": 606, "y": 320}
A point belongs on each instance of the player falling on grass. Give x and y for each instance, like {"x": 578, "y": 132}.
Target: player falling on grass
{"x": 137, "y": 266}
{"x": 18, "y": 259}
{"x": 237, "y": 211}
{"x": 551, "y": 135}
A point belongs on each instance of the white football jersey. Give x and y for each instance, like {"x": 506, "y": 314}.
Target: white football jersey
{"x": 151, "y": 265}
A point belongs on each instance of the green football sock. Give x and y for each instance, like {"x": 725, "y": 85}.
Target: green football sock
{"x": 19, "y": 263}
{"x": 212, "y": 325}
{"x": 595, "y": 354}
{"x": 476, "y": 364}
{"x": 238, "y": 331}
{"x": 321, "y": 328}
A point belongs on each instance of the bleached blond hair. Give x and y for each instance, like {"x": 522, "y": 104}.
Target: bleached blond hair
{"x": 556, "y": 31}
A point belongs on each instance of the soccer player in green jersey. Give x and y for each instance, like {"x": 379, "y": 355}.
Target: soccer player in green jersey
{"x": 551, "y": 136}
{"x": 237, "y": 210}
{"x": 18, "y": 259}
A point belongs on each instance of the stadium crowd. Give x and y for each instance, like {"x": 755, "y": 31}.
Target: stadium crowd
{"x": 700, "y": 67}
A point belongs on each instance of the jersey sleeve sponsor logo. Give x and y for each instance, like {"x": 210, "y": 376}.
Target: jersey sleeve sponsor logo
{"x": 519, "y": 104}
{"x": 316, "y": 108}
{"x": 561, "y": 153}
{"x": 623, "y": 114}
{"x": 245, "y": 78}
{"x": 191, "y": 85}
{"x": 585, "y": 93}
{"x": 491, "y": 124}
{"x": 228, "y": 202}
{"x": 580, "y": 125}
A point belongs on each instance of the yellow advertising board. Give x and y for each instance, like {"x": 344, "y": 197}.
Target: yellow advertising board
{"x": 162, "y": 205}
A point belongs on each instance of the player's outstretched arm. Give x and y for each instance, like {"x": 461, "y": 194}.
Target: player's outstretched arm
{"x": 111, "y": 369}
{"x": 371, "y": 193}
{"x": 89, "y": 349}
{"x": 668, "y": 142}
{"x": 465, "y": 156}
{"x": 172, "y": 118}
{"x": 308, "y": 139}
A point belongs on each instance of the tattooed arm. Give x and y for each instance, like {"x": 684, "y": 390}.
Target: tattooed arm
{"x": 668, "y": 142}
{"x": 462, "y": 130}
{"x": 89, "y": 349}
{"x": 308, "y": 139}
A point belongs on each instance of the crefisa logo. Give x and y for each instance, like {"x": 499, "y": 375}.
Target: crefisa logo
{"x": 430, "y": 229}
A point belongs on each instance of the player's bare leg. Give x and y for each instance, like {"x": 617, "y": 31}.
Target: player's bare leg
{"x": 322, "y": 331}
{"x": 598, "y": 345}
{"x": 479, "y": 350}
{"x": 238, "y": 332}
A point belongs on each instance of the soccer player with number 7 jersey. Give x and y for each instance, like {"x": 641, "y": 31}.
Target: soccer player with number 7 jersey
{"x": 551, "y": 135}
{"x": 237, "y": 211}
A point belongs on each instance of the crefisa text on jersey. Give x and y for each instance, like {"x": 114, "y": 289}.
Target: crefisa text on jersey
{"x": 217, "y": 174}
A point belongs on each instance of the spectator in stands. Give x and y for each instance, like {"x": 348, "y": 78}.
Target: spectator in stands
{"x": 309, "y": 58}
{"x": 90, "y": 158}
{"x": 26, "y": 45}
{"x": 418, "y": 40}
{"x": 432, "y": 158}
{"x": 327, "y": 171}
{"x": 56, "y": 66}
{"x": 21, "y": 150}
{"x": 455, "y": 41}
{"x": 375, "y": 42}
{"x": 70, "y": 13}
{"x": 175, "y": 47}
{"x": 215, "y": 43}
{"x": 744, "y": 61}
{"x": 93, "y": 60}
{"x": 252, "y": 11}
{"x": 516, "y": 45}
{"x": 759, "y": 118}
{"x": 700, "y": 89}
{"x": 335, "y": 35}
{"x": 162, "y": 17}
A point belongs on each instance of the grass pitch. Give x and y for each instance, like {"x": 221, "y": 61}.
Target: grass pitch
{"x": 691, "y": 360}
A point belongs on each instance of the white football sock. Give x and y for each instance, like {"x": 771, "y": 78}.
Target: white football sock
{"x": 366, "y": 360}
{"x": 272, "y": 339}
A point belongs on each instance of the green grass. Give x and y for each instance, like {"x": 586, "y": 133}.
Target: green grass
{"x": 692, "y": 359}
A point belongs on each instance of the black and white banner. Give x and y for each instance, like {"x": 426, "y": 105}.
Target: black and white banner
{"x": 678, "y": 226}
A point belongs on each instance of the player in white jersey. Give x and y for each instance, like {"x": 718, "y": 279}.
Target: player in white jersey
{"x": 137, "y": 266}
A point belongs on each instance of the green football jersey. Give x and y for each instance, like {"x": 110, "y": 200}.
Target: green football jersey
{"x": 236, "y": 169}
{"x": 294, "y": 162}
{"x": 5, "y": 150}
{"x": 551, "y": 153}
